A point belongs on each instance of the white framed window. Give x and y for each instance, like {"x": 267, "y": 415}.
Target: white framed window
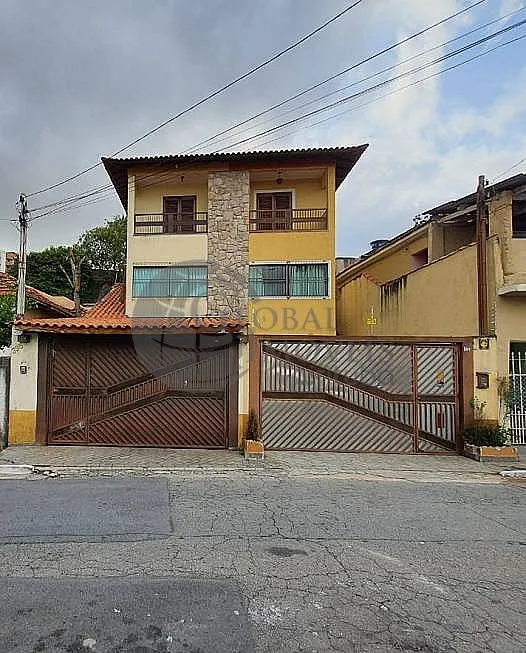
{"x": 170, "y": 281}
{"x": 290, "y": 279}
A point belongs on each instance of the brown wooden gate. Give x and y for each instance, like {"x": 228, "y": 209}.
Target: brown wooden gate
{"x": 158, "y": 390}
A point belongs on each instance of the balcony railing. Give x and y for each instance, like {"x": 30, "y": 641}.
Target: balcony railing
{"x": 171, "y": 223}
{"x": 289, "y": 220}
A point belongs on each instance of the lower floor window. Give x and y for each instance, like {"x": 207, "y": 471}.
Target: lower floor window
{"x": 170, "y": 281}
{"x": 289, "y": 280}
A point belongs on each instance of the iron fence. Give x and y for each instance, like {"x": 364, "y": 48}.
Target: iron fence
{"x": 517, "y": 397}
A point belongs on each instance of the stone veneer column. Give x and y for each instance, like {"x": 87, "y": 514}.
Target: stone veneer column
{"x": 228, "y": 212}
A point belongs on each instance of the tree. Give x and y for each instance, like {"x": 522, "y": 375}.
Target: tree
{"x": 96, "y": 261}
{"x": 7, "y": 315}
{"x": 45, "y": 271}
{"x": 104, "y": 247}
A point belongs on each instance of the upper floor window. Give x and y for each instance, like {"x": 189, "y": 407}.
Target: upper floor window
{"x": 289, "y": 280}
{"x": 170, "y": 281}
{"x": 519, "y": 218}
{"x": 179, "y": 216}
{"x": 275, "y": 212}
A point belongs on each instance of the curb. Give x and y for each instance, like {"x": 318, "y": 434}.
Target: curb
{"x": 11, "y": 468}
{"x": 514, "y": 473}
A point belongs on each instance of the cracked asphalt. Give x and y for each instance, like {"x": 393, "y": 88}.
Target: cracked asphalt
{"x": 202, "y": 563}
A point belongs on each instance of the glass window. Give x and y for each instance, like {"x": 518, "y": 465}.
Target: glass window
{"x": 309, "y": 280}
{"x": 289, "y": 280}
{"x": 174, "y": 281}
{"x": 267, "y": 281}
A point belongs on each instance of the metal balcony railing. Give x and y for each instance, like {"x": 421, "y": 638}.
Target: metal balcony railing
{"x": 288, "y": 220}
{"x": 171, "y": 223}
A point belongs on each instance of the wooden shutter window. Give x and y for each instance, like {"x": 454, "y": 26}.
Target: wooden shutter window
{"x": 274, "y": 211}
{"x": 179, "y": 214}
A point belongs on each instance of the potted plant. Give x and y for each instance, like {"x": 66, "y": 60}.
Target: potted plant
{"x": 486, "y": 441}
{"x": 252, "y": 444}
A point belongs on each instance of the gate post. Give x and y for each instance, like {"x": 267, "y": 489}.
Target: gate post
{"x": 416, "y": 412}
{"x": 254, "y": 378}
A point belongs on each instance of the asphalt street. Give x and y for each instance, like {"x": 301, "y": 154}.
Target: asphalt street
{"x": 204, "y": 563}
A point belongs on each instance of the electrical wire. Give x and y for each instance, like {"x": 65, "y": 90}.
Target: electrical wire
{"x": 508, "y": 170}
{"x": 407, "y": 73}
{"x": 339, "y": 74}
{"x": 380, "y": 84}
{"x": 109, "y": 187}
{"x": 208, "y": 97}
{"x": 398, "y": 90}
{"x": 372, "y": 76}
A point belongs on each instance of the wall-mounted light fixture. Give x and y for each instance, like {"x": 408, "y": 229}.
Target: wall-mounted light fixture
{"x": 279, "y": 179}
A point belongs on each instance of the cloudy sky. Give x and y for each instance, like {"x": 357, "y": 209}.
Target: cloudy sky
{"x": 80, "y": 80}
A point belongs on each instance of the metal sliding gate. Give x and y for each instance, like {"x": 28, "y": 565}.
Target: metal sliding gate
{"x": 517, "y": 408}
{"x": 360, "y": 396}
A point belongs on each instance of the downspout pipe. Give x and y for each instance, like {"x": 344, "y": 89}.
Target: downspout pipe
{"x": 482, "y": 259}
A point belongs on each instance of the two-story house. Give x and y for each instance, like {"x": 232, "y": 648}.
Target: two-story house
{"x": 447, "y": 278}
{"x": 220, "y": 246}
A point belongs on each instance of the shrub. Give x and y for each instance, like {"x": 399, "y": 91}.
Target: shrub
{"x": 486, "y": 435}
{"x": 252, "y": 430}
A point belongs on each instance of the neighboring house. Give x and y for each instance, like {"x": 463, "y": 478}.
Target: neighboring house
{"x": 39, "y": 303}
{"x": 220, "y": 247}
{"x": 438, "y": 280}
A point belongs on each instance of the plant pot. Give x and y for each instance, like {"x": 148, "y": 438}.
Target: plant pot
{"x": 488, "y": 454}
{"x": 254, "y": 449}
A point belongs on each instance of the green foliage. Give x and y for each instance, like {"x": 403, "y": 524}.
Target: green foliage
{"x": 105, "y": 247}
{"x": 253, "y": 429}
{"x": 486, "y": 435}
{"x": 7, "y": 314}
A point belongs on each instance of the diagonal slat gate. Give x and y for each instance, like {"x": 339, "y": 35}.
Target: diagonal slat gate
{"x": 359, "y": 396}
{"x": 146, "y": 390}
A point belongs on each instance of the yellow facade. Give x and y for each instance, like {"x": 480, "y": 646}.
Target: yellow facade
{"x": 22, "y": 426}
{"x": 297, "y": 316}
{"x": 417, "y": 304}
{"x": 311, "y": 188}
{"x": 396, "y": 260}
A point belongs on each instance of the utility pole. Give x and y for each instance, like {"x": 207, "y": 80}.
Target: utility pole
{"x": 482, "y": 268}
{"x": 22, "y": 256}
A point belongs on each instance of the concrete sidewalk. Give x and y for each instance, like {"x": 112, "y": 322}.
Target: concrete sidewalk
{"x": 85, "y": 460}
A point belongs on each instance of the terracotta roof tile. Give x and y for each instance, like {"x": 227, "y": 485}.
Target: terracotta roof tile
{"x": 109, "y": 316}
{"x": 59, "y": 304}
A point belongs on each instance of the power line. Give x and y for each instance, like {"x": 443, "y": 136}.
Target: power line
{"x": 345, "y": 100}
{"x": 342, "y": 72}
{"x": 109, "y": 187}
{"x": 209, "y": 96}
{"x": 398, "y": 90}
{"x": 508, "y": 170}
{"x": 379, "y": 85}
{"x": 365, "y": 79}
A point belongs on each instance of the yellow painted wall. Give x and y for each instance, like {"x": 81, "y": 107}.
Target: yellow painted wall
{"x": 394, "y": 262}
{"x": 295, "y": 245}
{"x": 439, "y": 299}
{"x": 150, "y": 199}
{"x": 511, "y": 327}
{"x": 297, "y": 316}
{"x": 22, "y": 426}
{"x": 164, "y": 249}
{"x": 292, "y": 316}
{"x": 23, "y": 392}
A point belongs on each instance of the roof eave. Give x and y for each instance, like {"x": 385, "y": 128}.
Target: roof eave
{"x": 344, "y": 159}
